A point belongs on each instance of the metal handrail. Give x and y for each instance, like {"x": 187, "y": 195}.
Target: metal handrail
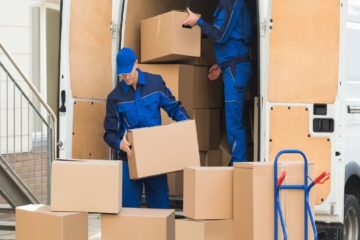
{"x": 36, "y": 93}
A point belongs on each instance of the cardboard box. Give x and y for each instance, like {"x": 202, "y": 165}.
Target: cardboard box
{"x": 189, "y": 84}
{"x": 208, "y": 193}
{"x": 207, "y": 54}
{"x": 203, "y": 158}
{"x": 214, "y": 158}
{"x": 139, "y": 224}
{"x": 207, "y": 126}
{"x": 163, "y": 149}
{"x": 176, "y": 183}
{"x": 86, "y": 186}
{"x": 186, "y": 229}
{"x": 37, "y": 222}
{"x": 163, "y": 39}
{"x": 224, "y": 148}
{"x": 254, "y": 211}
{"x": 211, "y": 158}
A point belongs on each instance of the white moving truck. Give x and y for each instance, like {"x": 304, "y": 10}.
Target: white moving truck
{"x": 306, "y": 89}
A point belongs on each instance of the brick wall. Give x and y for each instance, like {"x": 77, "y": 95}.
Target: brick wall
{"x": 32, "y": 168}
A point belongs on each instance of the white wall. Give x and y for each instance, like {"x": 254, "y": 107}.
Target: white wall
{"x": 15, "y": 34}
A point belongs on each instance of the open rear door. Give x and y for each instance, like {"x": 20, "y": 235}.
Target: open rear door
{"x": 86, "y": 67}
{"x": 303, "y": 70}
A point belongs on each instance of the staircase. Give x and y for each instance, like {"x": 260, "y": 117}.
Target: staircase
{"x": 27, "y": 141}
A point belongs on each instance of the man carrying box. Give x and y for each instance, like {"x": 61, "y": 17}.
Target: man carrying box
{"x": 231, "y": 33}
{"x": 136, "y": 103}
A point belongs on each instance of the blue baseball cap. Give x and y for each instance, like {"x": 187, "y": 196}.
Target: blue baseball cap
{"x": 125, "y": 61}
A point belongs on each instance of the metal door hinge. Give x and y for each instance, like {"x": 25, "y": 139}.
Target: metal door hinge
{"x": 265, "y": 26}
{"x": 113, "y": 28}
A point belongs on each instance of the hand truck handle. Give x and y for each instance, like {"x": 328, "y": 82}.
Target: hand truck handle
{"x": 281, "y": 179}
{"x": 322, "y": 178}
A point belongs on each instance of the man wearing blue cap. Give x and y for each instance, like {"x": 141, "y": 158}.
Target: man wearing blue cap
{"x": 136, "y": 103}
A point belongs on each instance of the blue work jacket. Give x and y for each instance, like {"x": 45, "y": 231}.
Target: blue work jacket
{"x": 127, "y": 108}
{"x": 231, "y": 32}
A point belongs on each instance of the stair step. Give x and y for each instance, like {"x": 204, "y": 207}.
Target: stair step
{"x": 7, "y": 225}
{"x": 6, "y": 208}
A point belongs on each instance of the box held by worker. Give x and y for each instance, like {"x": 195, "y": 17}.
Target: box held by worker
{"x": 164, "y": 39}
{"x": 163, "y": 149}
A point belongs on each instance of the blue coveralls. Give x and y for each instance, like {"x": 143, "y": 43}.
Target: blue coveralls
{"x": 127, "y": 109}
{"x": 231, "y": 34}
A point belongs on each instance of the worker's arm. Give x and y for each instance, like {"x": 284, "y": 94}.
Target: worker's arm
{"x": 171, "y": 106}
{"x": 114, "y": 130}
{"x": 223, "y": 26}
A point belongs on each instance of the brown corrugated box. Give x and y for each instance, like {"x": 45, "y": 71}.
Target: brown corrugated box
{"x": 207, "y": 54}
{"x": 211, "y": 158}
{"x": 187, "y": 229}
{"x": 208, "y": 193}
{"x": 214, "y": 158}
{"x": 37, "y": 222}
{"x": 86, "y": 186}
{"x": 175, "y": 182}
{"x": 163, "y": 38}
{"x": 203, "y": 158}
{"x": 207, "y": 126}
{"x": 139, "y": 224}
{"x": 189, "y": 84}
{"x": 254, "y": 211}
{"x": 163, "y": 149}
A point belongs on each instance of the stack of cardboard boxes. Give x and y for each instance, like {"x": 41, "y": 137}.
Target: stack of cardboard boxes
{"x": 95, "y": 186}
{"x": 208, "y": 204}
{"x": 183, "y": 58}
{"x": 220, "y": 203}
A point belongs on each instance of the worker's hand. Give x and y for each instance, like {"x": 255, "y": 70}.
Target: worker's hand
{"x": 214, "y": 72}
{"x": 192, "y": 18}
{"x": 125, "y": 145}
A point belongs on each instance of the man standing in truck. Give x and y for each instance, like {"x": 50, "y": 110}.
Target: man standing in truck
{"x": 231, "y": 33}
{"x": 135, "y": 103}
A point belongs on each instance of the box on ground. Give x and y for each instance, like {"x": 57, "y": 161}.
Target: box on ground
{"x": 86, "y": 186}
{"x": 139, "y": 224}
{"x": 164, "y": 39}
{"x": 254, "y": 211}
{"x": 208, "y": 193}
{"x": 186, "y": 229}
{"x": 37, "y": 222}
{"x": 176, "y": 183}
{"x": 163, "y": 149}
{"x": 189, "y": 84}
